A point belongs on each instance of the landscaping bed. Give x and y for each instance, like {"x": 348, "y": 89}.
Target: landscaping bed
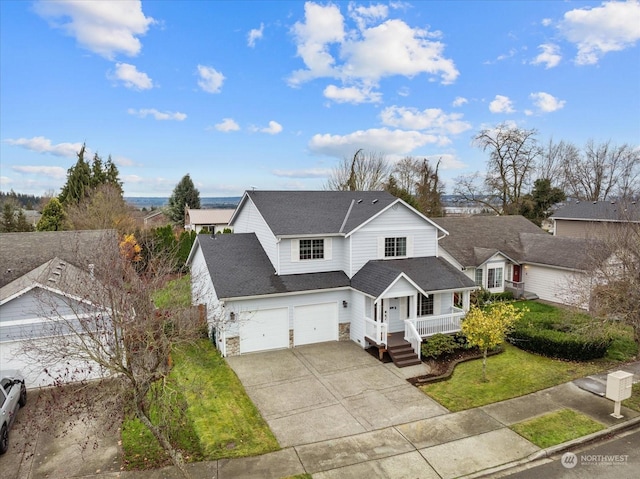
{"x": 442, "y": 367}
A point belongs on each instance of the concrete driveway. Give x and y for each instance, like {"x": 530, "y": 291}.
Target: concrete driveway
{"x": 329, "y": 390}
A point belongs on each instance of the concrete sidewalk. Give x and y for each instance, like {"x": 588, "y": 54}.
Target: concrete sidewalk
{"x": 471, "y": 443}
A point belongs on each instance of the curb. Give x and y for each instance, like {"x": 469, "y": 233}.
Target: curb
{"x": 552, "y": 450}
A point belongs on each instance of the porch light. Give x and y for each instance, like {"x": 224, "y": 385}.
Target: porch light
{"x": 344, "y": 304}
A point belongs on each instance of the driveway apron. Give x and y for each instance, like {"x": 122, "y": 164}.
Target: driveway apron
{"x": 329, "y": 390}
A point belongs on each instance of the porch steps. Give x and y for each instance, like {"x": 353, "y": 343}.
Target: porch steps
{"x": 403, "y": 355}
{"x": 528, "y": 295}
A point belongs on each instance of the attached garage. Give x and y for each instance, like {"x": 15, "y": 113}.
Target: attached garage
{"x": 315, "y": 323}
{"x": 264, "y": 329}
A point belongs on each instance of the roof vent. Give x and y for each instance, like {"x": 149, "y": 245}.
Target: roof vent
{"x": 359, "y": 201}
{"x": 613, "y": 202}
{"x": 374, "y": 201}
{"x": 595, "y": 202}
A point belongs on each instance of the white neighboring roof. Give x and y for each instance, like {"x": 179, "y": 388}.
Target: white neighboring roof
{"x": 214, "y": 216}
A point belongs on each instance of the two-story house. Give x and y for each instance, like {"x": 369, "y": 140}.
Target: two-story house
{"x": 311, "y": 266}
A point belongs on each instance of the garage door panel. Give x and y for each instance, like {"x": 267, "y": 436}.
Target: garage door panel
{"x": 262, "y": 330}
{"x": 315, "y": 323}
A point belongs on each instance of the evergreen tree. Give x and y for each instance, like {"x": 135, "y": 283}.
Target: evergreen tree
{"x": 392, "y": 187}
{"x": 8, "y": 223}
{"x": 537, "y": 205}
{"x": 53, "y": 217}
{"x": 184, "y": 195}
{"x": 429, "y": 190}
{"x": 21, "y": 222}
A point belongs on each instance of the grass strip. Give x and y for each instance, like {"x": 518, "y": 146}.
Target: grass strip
{"x": 557, "y": 427}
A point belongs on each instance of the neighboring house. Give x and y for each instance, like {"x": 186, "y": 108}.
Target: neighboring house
{"x": 155, "y": 219}
{"x": 311, "y": 266}
{"x": 44, "y": 278}
{"x": 594, "y": 219}
{"x": 214, "y": 219}
{"x": 511, "y": 253}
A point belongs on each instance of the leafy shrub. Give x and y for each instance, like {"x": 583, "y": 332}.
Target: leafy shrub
{"x": 461, "y": 340}
{"x": 504, "y": 296}
{"x": 559, "y": 344}
{"x": 439, "y": 344}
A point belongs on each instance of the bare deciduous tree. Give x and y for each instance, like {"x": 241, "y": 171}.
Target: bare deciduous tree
{"x": 513, "y": 153}
{"x": 363, "y": 172}
{"x": 103, "y": 208}
{"x": 603, "y": 171}
{"x": 106, "y": 325}
{"x": 429, "y": 190}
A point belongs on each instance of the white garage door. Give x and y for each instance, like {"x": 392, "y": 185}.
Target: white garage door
{"x": 315, "y": 323}
{"x": 264, "y": 329}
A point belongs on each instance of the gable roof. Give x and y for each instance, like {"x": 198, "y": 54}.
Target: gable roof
{"x": 55, "y": 275}
{"x": 608, "y": 211}
{"x": 291, "y": 213}
{"x": 428, "y": 273}
{"x": 23, "y": 252}
{"x": 239, "y": 267}
{"x": 213, "y": 216}
{"x": 561, "y": 251}
{"x": 473, "y": 240}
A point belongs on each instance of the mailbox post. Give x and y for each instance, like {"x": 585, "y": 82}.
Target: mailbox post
{"x": 619, "y": 386}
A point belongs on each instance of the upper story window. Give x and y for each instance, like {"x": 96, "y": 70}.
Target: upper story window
{"x": 311, "y": 249}
{"x": 395, "y": 247}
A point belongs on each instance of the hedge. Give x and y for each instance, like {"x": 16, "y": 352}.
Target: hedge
{"x": 558, "y": 344}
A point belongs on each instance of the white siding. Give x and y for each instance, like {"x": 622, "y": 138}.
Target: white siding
{"x": 333, "y": 261}
{"x": 358, "y": 312}
{"x": 401, "y": 288}
{"x": 249, "y": 220}
{"x": 395, "y": 223}
{"x": 202, "y": 290}
{"x": 550, "y": 284}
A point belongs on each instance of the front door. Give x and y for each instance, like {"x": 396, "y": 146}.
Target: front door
{"x": 392, "y": 315}
{"x": 516, "y": 273}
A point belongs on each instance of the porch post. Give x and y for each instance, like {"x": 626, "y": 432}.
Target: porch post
{"x": 414, "y": 305}
{"x": 466, "y": 300}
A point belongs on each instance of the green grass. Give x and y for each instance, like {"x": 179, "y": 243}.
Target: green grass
{"x": 213, "y": 418}
{"x": 634, "y": 401}
{"x": 511, "y": 374}
{"x": 224, "y": 418}
{"x": 176, "y": 293}
{"x": 557, "y": 427}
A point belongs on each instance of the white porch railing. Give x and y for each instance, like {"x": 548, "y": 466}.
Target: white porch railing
{"x": 443, "y": 323}
{"x": 376, "y": 331}
{"x": 516, "y": 287}
{"x": 413, "y": 337}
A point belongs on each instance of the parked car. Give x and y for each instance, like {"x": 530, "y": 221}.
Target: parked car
{"x": 12, "y": 397}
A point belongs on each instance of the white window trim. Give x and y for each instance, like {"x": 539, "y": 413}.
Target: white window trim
{"x": 327, "y": 250}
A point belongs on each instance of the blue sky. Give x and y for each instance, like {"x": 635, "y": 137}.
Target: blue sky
{"x": 273, "y": 95}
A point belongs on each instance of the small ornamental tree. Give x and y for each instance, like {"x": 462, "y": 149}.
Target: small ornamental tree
{"x": 53, "y": 217}
{"x": 487, "y": 328}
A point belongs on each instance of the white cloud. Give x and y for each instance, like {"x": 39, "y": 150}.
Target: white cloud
{"x": 366, "y": 53}
{"x": 210, "y": 80}
{"x": 156, "y": 114}
{"x": 56, "y": 172}
{"x": 380, "y": 140}
{"x": 43, "y": 145}
{"x": 546, "y": 103}
{"x": 123, "y": 161}
{"x": 459, "y": 101}
{"x": 613, "y": 26}
{"x": 227, "y": 124}
{"x": 549, "y": 57}
{"x": 131, "y": 77}
{"x": 308, "y": 173}
{"x": 273, "y": 129}
{"x": 546, "y": 22}
{"x": 254, "y": 35}
{"x": 5, "y": 180}
{"x": 501, "y": 104}
{"x": 352, "y": 94}
{"x": 105, "y": 28}
{"x": 433, "y": 120}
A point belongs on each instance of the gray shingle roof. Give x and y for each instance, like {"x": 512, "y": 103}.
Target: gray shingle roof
{"x": 560, "y": 251}
{"x": 318, "y": 212}
{"x": 23, "y": 252}
{"x": 599, "y": 211}
{"x": 430, "y": 274}
{"x": 472, "y": 240}
{"x": 239, "y": 267}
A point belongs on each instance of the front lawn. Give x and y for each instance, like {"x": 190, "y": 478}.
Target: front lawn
{"x": 557, "y": 427}
{"x": 213, "y": 416}
{"x": 634, "y": 401}
{"x": 511, "y": 374}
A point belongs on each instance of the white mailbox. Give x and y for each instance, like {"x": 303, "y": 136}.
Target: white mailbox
{"x": 619, "y": 386}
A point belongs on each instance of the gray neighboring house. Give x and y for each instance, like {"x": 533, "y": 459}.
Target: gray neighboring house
{"x": 44, "y": 271}
{"x": 594, "y": 219}
{"x": 305, "y": 267}
{"x": 510, "y": 253}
